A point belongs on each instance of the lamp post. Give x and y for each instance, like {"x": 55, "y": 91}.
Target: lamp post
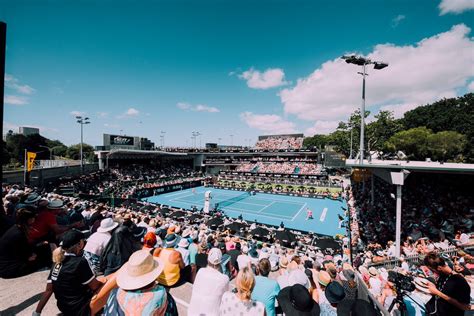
{"x": 82, "y": 121}
{"x": 362, "y": 61}
{"x": 162, "y": 139}
{"x": 350, "y": 153}
{"x": 50, "y": 151}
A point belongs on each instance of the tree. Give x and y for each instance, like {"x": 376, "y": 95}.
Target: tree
{"x": 413, "y": 142}
{"x": 380, "y": 130}
{"x": 73, "y": 151}
{"x": 317, "y": 141}
{"x": 446, "y": 145}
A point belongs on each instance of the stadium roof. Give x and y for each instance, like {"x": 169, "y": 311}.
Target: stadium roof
{"x": 417, "y": 166}
{"x": 131, "y": 153}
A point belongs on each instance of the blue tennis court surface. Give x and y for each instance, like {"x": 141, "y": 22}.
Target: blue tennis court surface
{"x": 264, "y": 208}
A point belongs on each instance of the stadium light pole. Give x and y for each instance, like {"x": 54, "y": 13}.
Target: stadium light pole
{"x": 82, "y": 121}
{"x": 162, "y": 139}
{"x": 350, "y": 153}
{"x": 362, "y": 61}
{"x": 231, "y": 140}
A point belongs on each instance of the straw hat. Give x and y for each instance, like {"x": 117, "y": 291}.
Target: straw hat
{"x": 140, "y": 270}
{"x": 107, "y": 225}
{"x": 324, "y": 278}
{"x": 373, "y": 272}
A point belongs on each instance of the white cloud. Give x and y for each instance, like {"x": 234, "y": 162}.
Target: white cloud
{"x": 433, "y": 68}
{"x": 183, "y": 105}
{"x": 396, "y": 20}
{"x": 111, "y": 125}
{"x": 77, "y": 113}
{"x": 470, "y": 87}
{"x": 102, "y": 114}
{"x": 15, "y": 100}
{"x": 196, "y": 108}
{"x": 132, "y": 112}
{"x": 322, "y": 127}
{"x": 205, "y": 108}
{"x": 270, "y": 78}
{"x": 455, "y": 6}
{"x": 270, "y": 123}
{"x": 14, "y": 83}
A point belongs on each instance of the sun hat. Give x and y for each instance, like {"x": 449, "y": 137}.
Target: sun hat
{"x": 186, "y": 233}
{"x": 296, "y": 300}
{"x": 170, "y": 241}
{"x": 214, "y": 256}
{"x": 71, "y": 238}
{"x": 140, "y": 270}
{"x": 32, "y": 198}
{"x": 55, "y": 204}
{"x": 139, "y": 232}
{"x": 334, "y": 292}
{"x": 107, "y": 225}
{"x": 373, "y": 272}
{"x": 356, "y": 307}
{"x": 324, "y": 278}
{"x": 183, "y": 243}
{"x": 298, "y": 277}
{"x": 245, "y": 249}
{"x": 283, "y": 262}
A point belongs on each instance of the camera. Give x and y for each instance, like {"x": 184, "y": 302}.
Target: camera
{"x": 402, "y": 282}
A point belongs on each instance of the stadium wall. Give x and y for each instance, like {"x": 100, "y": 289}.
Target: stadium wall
{"x": 39, "y": 177}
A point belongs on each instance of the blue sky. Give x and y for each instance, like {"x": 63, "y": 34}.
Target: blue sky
{"x": 242, "y": 68}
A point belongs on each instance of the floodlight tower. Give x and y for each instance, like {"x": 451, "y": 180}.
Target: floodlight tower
{"x": 82, "y": 121}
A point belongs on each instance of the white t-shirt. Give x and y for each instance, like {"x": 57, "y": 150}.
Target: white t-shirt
{"x": 375, "y": 286}
{"x": 96, "y": 243}
{"x": 208, "y": 289}
{"x": 242, "y": 261}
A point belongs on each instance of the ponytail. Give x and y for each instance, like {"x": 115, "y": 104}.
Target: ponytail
{"x": 58, "y": 255}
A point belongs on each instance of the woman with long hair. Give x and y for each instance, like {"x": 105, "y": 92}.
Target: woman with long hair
{"x": 239, "y": 301}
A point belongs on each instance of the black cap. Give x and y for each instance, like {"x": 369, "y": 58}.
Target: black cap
{"x": 71, "y": 237}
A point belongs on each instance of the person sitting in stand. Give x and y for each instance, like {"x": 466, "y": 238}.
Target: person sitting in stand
{"x": 71, "y": 279}
{"x": 175, "y": 271}
{"x": 451, "y": 294}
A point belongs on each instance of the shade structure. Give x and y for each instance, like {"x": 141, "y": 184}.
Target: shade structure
{"x": 236, "y": 226}
{"x": 215, "y": 222}
{"x": 194, "y": 217}
{"x": 178, "y": 214}
{"x": 164, "y": 211}
{"x": 285, "y": 236}
{"x": 326, "y": 243}
{"x": 261, "y": 233}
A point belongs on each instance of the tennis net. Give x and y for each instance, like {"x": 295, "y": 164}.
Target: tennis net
{"x": 231, "y": 201}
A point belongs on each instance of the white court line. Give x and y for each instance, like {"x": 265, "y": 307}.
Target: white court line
{"x": 256, "y": 214}
{"x": 180, "y": 192}
{"x": 263, "y": 199}
{"x": 266, "y": 207}
{"x": 298, "y": 212}
{"x": 323, "y": 214}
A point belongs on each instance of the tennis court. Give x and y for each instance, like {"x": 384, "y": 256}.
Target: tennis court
{"x": 265, "y": 208}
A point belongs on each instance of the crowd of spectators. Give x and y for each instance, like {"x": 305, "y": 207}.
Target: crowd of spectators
{"x": 280, "y": 143}
{"x": 123, "y": 259}
{"x": 303, "y": 168}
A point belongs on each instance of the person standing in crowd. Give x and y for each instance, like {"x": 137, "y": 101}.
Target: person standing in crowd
{"x": 239, "y": 301}
{"x": 266, "y": 289}
{"x": 97, "y": 242}
{"x": 451, "y": 294}
{"x": 209, "y": 286}
{"x": 72, "y": 280}
{"x": 138, "y": 292}
{"x": 16, "y": 254}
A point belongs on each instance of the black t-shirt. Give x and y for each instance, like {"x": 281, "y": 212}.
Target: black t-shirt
{"x": 201, "y": 260}
{"x": 234, "y": 253}
{"x": 14, "y": 252}
{"x": 456, "y": 287}
{"x": 70, "y": 285}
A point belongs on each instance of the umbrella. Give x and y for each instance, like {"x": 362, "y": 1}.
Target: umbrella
{"x": 214, "y": 222}
{"x": 178, "y": 214}
{"x": 194, "y": 217}
{"x": 326, "y": 243}
{"x": 236, "y": 226}
{"x": 285, "y": 236}
{"x": 164, "y": 211}
{"x": 260, "y": 232}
